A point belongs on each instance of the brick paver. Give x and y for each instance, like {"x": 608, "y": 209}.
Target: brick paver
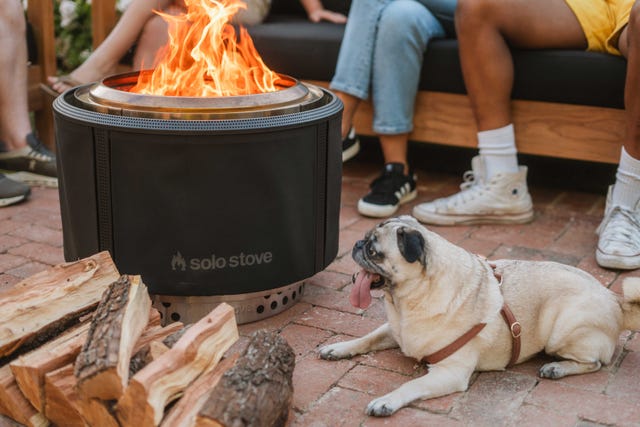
{"x": 336, "y": 393}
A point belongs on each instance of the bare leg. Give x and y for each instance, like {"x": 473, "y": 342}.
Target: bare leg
{"x": 629, "y": 45}
{"x": 350, "y": 103}
{"x": 394, "y": 149}
{"x": 14, "y": 120}
{"x": 154, "y": 37}
{"x": 486, "y": 29}
{"x": 105, "y": 58}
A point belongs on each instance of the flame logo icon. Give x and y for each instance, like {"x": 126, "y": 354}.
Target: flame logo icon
{"x": 178, "y": 262}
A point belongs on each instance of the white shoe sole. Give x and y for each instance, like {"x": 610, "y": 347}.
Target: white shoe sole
{"x": 383, "y": 211}
{"x": 350, "y": 152}
{"x": 11, "y": 200}
{"x": 439, "y": 219}
{"x": 617, "y": 262}
{"x": 33, "y": 179}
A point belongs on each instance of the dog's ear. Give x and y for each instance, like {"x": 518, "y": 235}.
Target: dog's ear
{"x": 411, "y": 244}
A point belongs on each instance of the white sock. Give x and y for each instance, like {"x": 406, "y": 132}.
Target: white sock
{"x": 498, "y": 150}
{"x": 626, "y": 192}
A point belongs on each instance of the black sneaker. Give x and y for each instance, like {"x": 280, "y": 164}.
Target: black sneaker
{"x": 350, "y": 145}
{"x": 33, "y": 164}
{"x": 388, "y": 191}
{"x": 12, "y": 191}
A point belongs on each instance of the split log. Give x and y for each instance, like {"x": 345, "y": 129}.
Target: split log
{"x": 257, "y": 391}
{"x": 30, "y": 369}
{"x": 183, "y": 413}
{"x": 61, "y": 395}
{"x": 102, "y": 367}
{"x": 39, "y": 307}
{"x": 14, "y": 404}
{"x": 164, "y": 380}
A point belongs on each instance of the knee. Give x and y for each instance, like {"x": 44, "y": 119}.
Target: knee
{"x": 471, "y": 12}
{"x": 403, "y": 18}
{"x": 154, "y": 31}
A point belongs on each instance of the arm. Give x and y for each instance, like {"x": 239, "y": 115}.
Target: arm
{"x": 316, "y": 12}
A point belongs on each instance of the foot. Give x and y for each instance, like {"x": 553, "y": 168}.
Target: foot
{"x": 61, "y": 84}
{"x": 12, "y": 191}
{"x": 33, "y": 164}
{"x": 503, "y": 199}
{"x": 391, "y": 189}
{"x": 619, "y": 241}
{"x": 350, "y": 145}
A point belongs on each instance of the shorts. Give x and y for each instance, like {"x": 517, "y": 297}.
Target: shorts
{"x": 602, "y": 22}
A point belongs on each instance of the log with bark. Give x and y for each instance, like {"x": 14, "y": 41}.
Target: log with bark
{"x": 41, "y": 306}
{"x": 165, "y": 379}
{"x": 102, "y": 367}
{"x": 257, "y": 391}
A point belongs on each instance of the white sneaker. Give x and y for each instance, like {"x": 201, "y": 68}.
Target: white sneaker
{"x": 504, "y": 199}
{"x": 619, "y": 242}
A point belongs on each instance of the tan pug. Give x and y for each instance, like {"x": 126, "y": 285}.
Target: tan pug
{"x": 435, "y": 292}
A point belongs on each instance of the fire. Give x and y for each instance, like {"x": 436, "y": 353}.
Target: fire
{"x": 204, "y": 56}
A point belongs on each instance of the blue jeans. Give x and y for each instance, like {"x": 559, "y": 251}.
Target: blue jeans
{"x": 381, "y": 54}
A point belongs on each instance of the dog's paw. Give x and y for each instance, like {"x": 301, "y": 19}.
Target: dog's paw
{"x": 553, "y": 370}
{"x": 335, "y": 351}
{"x": 382, "y": 407}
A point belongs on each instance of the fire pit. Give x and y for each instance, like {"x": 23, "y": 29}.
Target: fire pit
{"x": 210, "y": 199}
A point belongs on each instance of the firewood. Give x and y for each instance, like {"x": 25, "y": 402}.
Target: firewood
{"x": 30, "y": 369}
{"x": 61, "y": 395}
{"x": 165, "y": 379}
{"x": 13, "y": 403}
{"x": 39, "y": 307}
{"x": 257, "y": 391}
{"x": 183, "y": 413}
{"x": 61, "y": 398}
{"x": 102, "y": 367}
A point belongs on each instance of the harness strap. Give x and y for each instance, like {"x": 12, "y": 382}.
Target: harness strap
{"x": 514, "y": 327}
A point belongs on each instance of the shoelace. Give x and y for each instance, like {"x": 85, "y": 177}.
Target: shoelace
{"x": 623, "y": 228}
{"x": 40, "y": 152}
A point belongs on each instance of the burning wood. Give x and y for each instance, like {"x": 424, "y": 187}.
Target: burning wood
{"x": 72, "y": 378}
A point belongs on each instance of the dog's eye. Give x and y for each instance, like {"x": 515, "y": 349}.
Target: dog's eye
{"x": 372, "y": 252}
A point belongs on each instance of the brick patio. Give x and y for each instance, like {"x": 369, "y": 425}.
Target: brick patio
{"x": 336, "y": 393}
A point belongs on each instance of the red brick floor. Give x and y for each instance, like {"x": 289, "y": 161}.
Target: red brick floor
{"x": 336, "y": 393}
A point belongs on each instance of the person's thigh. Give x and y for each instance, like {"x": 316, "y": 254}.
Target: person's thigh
{"x": 531, "y": 24}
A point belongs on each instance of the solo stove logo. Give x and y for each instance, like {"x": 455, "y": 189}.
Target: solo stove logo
{"x": 213, "y": 262}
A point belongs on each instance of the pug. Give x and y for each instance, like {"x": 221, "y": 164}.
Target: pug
{"x": 447, "y": 306}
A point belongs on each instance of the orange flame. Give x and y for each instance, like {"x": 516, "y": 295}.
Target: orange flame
{"x": 204, "y": 57}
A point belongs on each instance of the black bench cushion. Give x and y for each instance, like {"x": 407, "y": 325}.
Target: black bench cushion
{"x": 289, "y": 44}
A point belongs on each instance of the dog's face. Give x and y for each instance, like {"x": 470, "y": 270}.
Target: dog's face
{"x": 390, "y": 254}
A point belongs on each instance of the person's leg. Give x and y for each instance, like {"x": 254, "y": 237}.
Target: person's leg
{"x": 105, "y": 58}
{"x": 153, "y": 38}
{"x": 14, "y": 119}
{"x": 619, "y": 240}
{"x": 352, "y": 79}
{"x": 486, "y": 30}
{"x": 20, "y": 149}
{"x": 393, "y": 94}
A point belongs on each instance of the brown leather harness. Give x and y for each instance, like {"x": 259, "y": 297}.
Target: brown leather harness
{"x": 514, "y": 327}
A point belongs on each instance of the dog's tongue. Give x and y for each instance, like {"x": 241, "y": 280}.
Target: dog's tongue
{"x": 361, "y": 291}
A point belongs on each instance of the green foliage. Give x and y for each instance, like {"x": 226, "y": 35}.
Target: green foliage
{"x": 73, "y": 33}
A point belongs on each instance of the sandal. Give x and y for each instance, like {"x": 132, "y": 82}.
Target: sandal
{"x": 66, "y": 80}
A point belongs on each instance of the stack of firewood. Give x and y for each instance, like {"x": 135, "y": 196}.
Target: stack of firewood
{"x": 80, "y": 345}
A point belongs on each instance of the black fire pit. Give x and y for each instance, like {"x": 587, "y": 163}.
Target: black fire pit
{"x": 231, "y": 199}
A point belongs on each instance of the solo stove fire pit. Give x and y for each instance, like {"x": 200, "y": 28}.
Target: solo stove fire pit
{"x": 232, "y": 198}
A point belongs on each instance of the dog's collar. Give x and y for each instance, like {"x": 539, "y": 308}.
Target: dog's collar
{"x": 514, "y": 327}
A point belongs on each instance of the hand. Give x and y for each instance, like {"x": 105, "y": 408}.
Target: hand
{"x": 327, "y": 15}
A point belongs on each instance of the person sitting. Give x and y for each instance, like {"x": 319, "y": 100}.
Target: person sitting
{"x": 139, "y": 25}
{"x": 22, "y": 154}
{"x": 498, "y": 192}
{"x": 381, "y": 55}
